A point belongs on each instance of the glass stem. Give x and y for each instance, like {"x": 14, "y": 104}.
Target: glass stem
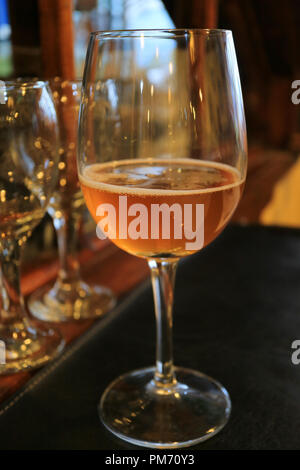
{"x": 12, "y": 307}
{"x": 67, "y": 226}
{"x": 163, "y": 279}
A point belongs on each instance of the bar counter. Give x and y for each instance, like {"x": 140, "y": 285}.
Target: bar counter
{"x": 237, "y": 312}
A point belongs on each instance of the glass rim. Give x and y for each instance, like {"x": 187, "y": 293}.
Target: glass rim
{"x": 176, "y": 32}
{"x": 18, "y": 84}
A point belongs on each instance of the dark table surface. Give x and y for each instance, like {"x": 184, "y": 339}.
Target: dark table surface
{"x": 237, "y": 312}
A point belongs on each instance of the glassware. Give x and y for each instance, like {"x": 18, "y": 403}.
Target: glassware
{"x": 162, "y": 163}
{"x": 28, "y": 171}
{"x": 69, "y": 298}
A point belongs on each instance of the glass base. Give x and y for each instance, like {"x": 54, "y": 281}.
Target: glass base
{"x": 28, "y": 347}
{"x": 192, "y": 410}
{"x": 66, "y": 302}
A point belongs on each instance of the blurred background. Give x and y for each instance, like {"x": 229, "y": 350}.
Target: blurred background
{"x": 47, "y": 38}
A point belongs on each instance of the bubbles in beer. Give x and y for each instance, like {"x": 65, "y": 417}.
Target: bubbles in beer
{"x": 166, "y": 175}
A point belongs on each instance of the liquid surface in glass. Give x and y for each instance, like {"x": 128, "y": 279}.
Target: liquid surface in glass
{"x": 184, "y": 182}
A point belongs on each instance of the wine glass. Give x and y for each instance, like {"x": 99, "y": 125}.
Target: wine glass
{"x": 28, "y": 171}
{"x": 70, "y": 298}
{"x": 162, "y": 163}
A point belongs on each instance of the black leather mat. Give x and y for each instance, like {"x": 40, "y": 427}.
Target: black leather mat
{"x": 237, "y": 311}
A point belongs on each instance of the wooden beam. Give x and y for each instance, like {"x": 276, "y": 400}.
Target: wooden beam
{"x": 57, "y": 38}
{"x": 205, "y": 13}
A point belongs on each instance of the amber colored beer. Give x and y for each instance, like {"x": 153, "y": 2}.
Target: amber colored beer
{"x": 157, "y": 181}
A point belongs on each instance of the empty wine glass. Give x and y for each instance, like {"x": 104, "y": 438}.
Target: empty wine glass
{"x": 28, "y": 173}
{"x": 70, "y": 298}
